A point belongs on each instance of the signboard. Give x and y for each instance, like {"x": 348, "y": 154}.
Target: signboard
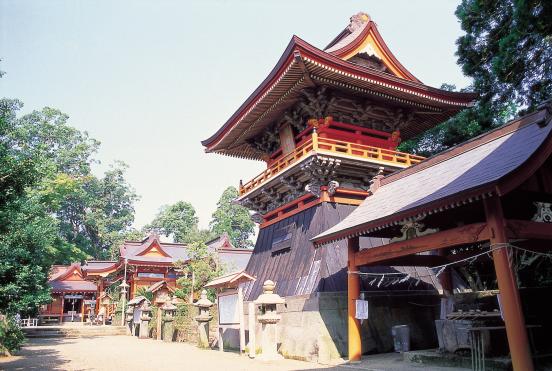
{"x": 150, "y": 275}
{"x": 361, "y": 311}
{"x": 73, "y": 296}
{"x": 228, "y": 309}
{"x": 90, "y": 302}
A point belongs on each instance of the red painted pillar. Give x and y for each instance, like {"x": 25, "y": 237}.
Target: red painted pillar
{"x": 353, "y": 293}
{"x": 62, "y": 304}
{"x": 509, "y": 294}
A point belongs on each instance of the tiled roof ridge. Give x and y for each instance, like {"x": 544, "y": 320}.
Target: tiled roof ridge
{"x": 466, "y": 146}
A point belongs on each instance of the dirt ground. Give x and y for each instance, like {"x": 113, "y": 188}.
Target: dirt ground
{"x": 124, "y": 353}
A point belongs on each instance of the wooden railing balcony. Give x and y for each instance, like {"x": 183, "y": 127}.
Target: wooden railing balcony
{"x": 331, "y": 147}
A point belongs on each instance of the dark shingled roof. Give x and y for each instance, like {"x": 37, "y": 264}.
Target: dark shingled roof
{"x": 476, "y": 166}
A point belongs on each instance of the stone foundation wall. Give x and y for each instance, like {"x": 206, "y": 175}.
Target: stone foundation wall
{"x": 314, "y": 328}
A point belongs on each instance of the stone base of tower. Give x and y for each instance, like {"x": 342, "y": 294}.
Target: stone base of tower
{"x": 314, "y": 327}
{"x": 314, "y": 283}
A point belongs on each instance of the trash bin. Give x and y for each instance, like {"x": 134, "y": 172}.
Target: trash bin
{"x": 401, "y": 338}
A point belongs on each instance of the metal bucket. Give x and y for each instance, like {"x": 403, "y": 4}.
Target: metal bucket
{"x": 401, "y": 338}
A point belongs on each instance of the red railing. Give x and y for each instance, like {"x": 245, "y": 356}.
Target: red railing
{"x": 331, "y": 147}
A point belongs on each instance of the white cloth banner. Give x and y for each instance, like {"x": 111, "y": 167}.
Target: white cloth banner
{"x": 361, "y": 309}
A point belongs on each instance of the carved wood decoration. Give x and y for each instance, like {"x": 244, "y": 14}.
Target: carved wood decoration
{"x": 412, "y": 229}
{"x": 322, "y": 102}
{"x": 544, "y": 212}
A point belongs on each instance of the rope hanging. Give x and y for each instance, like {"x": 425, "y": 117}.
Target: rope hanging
{"x": 397, "y": 277}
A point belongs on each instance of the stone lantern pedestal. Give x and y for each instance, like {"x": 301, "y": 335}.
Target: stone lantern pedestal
{"x": 169, "y": 310}
{"x": 129, "y": 318}
{"x": 268, "y": 319}
{"x": 145, "y": 318}
{"x": 203, "y": 320}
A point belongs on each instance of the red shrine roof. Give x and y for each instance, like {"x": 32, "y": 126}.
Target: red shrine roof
{"x": 69, "y": 279}
{"x": 303, "y": 65}
{"x": 488, "y": 164}
{"x": 100, "y": 267}
{"x": 151, "y": 251}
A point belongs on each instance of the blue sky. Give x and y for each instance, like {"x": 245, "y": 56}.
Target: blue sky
{"x": 151, "y": 79}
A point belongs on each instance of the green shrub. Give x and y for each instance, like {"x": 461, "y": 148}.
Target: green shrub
{"x": 11, "y": 336}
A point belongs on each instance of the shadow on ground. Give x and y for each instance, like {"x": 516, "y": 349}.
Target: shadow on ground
{"x": 26, "y": 358}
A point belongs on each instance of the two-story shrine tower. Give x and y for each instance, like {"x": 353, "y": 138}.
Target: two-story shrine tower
{"x": 327, "y": 123}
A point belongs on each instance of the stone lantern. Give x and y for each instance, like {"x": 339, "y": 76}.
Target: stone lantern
{"x": 130, "y": 317}
{"x": 203, "y": 319}
{"x": 268, "y": 319}
{"x": 169, "y": 311}
{"x": 145, "y": 317}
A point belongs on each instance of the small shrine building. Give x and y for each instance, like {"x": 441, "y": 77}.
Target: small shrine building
{"x": 142, "y": 264}
{"x": 70, "y": 292}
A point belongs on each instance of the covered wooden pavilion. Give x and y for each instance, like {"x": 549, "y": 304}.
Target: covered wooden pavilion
{"x": 484, "y": 195}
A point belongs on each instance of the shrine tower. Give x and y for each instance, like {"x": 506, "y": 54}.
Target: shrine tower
{"x": 327, "y": 123}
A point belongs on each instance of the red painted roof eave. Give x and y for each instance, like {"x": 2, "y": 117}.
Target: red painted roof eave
{"x": 297, "y": 44}
{"x": 274, "y": 74}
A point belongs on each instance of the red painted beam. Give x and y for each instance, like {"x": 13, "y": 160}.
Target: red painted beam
{"x": 470, "y": 233}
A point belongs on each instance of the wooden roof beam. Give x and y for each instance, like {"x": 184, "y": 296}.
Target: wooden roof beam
{"x": 466, "y": 234}
{"x": 525, "y": 229}
{"x": 415, "y": 261}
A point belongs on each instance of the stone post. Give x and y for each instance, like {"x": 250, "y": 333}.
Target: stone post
{"x": 129, "y": 318}
{"x": 168, "y": 317}
{"x": 268, "y": 319}
{"x": 203, "y": 320}
{"x": 144, "y": 320}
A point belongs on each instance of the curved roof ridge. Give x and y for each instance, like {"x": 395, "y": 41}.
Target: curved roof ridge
{"x": 362, "y": 35}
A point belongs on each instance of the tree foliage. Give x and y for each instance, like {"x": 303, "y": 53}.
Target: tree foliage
{"x": 53, "y": 210}
{"x": 94, "y": 213}
{"x": 507, "y": 50}
{"x": 178, "y": 221}
{"x": 202, "y": 267}
{"x": 233, "y": 219}
{"x": 27, "y": 233}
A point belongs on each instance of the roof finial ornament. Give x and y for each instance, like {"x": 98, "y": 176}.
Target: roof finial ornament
{"x": 358, "y": 20}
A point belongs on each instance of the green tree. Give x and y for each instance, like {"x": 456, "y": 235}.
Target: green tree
{"x": 29, "y": 240}
{"x": 202, "y": 267}
{"x": 507, "y": 50}
{"x": 233, "y": 219}
{"x": 178, "y": 221}
{"x": 93, "y": 213}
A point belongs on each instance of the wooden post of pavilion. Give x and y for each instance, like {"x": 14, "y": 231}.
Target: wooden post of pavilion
{"x": 353, "y": 293}
{"x": 509, "y": 294}
{"x": 242, "y": 322}
{"x": 83, "y": 307}
{"x": 62, "y": 304}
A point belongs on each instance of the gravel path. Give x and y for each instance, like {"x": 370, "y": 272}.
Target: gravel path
{"x": 125, "y": 353}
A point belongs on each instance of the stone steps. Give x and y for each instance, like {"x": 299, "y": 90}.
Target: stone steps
{"x": 74, "y": 332}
